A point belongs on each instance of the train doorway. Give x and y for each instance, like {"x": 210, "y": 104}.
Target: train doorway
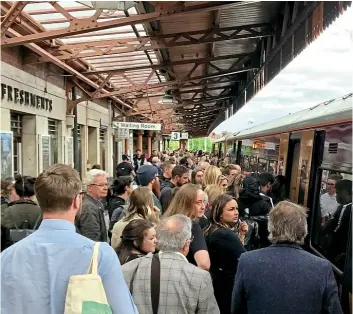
{"x": 292, "y": 169}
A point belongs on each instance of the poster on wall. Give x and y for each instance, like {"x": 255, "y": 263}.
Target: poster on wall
{"x": 70, "y": 151}
{"x": 6, "y": 154}
{"x": 46, "y": 158}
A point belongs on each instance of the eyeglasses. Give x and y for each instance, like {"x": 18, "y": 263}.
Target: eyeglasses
{"x": 100, "y": 185}
{"x": 81, "y": 193}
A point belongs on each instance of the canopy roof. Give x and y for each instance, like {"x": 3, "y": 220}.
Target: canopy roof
{"x": 209, "y": 57}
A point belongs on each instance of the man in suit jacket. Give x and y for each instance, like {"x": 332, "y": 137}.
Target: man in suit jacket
{"x": 184, "y": 288}
{"x": 283, "y": 278}
{"x": 337, "y": 228}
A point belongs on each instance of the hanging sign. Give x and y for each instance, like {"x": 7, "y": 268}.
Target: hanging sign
{"x": 122, "y": 134}
{"x": 137, "y": 126}
{"x": 184, "y": 136}
{"x": 175, "y": 136}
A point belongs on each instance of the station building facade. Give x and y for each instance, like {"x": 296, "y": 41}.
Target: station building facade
{"x": 34, "y": 111}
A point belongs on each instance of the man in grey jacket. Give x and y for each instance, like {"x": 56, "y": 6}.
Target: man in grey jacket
{"x": 184, "y": 288}
{"x": 91, "y": 222}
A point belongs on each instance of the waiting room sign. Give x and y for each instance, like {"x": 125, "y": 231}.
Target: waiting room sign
{"x": 137, "y": 126}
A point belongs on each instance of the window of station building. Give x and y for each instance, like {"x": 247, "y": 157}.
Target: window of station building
{"x": 16, "y": 128}
{"x": 54, "y": 135}
{"x": 102, "y": 134}
{"x": 331, "y": 221}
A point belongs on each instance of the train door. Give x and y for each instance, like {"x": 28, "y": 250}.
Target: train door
{"x": 292, "y": 169}
{"x": 331, "y": 223}
{"x": 298, "y": 165}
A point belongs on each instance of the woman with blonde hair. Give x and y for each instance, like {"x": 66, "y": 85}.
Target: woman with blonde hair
{"x": 211, "y": 175}
{"x": 222, "y": 181}
{"x": 141, "y": 206}
{"x": 189, "y": 200}
{"x": 235, "y": 185}
{"x": 212, "y": 191}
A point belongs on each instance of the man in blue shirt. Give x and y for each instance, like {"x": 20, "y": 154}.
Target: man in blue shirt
{"x": 36, "y": 271}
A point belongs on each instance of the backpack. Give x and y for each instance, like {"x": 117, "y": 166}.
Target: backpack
{"x": 123, "y": 169}
{"x": 118, "y": 214}
{"x": 24, "y": 230}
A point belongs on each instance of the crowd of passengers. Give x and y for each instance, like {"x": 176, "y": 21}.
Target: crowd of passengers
{"x": 226, "y": 242}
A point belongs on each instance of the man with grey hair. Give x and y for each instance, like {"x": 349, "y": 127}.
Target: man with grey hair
{"x": 283, "y": 278}
{"x": 91, "y": 223}
{"x": 183, "y": 287}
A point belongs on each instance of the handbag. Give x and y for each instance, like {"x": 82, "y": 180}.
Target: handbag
{"x": 85, "y": 293}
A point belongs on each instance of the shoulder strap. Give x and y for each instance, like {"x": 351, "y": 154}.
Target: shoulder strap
{"x": 37, "y": 221}
{"x": 93, "y": 266}
{"x": 155, "y": 282}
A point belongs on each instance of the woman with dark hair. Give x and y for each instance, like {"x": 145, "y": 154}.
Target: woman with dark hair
{"x": 196, "y": 176}
{"x": 224, "y": 237}
{"x": 138, "y": 239}
{"x": 23, "y": 213}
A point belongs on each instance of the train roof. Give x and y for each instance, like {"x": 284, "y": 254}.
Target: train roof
{"x": 329, "y": 112}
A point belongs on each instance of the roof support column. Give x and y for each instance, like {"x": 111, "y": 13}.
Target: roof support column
{"x": 139, "y": 140}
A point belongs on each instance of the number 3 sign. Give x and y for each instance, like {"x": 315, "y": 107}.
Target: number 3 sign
{"x": 175, "y": 136}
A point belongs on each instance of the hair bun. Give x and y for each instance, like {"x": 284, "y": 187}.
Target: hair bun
{"x": 30, "y": 180}
{"x": 18, "y": 178}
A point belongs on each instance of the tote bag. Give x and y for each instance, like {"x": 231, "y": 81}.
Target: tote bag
{"x": 85, "y": 293}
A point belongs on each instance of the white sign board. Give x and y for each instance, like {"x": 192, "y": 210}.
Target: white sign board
{"x": 175, "y": 136}
{"x": 121, "y": 134}
{"x": 184, "y": 136}
{"x": 137, "y": 126}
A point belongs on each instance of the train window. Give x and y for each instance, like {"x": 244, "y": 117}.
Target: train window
{"x": 331, "y": 217}
{"x": 262, "y": 165}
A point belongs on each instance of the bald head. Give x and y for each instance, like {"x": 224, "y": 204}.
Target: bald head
{"x": 173, "y": 232}
{"x": 155, "y": 160}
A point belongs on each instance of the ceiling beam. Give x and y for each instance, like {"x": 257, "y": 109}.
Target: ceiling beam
{"x": 146, "y": 43}
{"x": 11, "y": 16}
{"x": 169, "y": 64}
{"x": 52, "y": 11}
{"x": 81, "y": 26}
{"x": 67, "y": 68}
{"x": 176, "y": 84}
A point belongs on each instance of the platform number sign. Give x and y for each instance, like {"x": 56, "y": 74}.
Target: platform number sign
{"x": 184, "y": 136}
{"x": 175, "y": 136}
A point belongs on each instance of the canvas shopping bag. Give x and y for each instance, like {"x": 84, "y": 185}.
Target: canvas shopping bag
{"x": 85, "y": 293}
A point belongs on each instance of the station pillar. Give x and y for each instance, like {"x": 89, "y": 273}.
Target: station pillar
{"x": 126, "y": 146}
{"x": 149, "y": 144}
{"x": 139, "y": 140}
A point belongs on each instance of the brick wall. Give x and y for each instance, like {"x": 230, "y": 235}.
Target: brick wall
{"x": 16, "y": 57}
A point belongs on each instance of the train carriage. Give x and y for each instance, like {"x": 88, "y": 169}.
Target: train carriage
{"x": 306, "y": 147}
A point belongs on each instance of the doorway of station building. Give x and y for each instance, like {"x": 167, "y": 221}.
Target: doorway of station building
{"x": 16, "y": 128}
{"x": 102, "y": 146}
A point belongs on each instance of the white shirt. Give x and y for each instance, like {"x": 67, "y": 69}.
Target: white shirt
{"x": 160, "y": 253}
{"x": 328, "y": 204}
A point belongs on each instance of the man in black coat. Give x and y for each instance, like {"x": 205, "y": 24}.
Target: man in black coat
{"x": 139, "y": 159}
{"x": 283, "y": 278}
{"x": 337, "y": 228}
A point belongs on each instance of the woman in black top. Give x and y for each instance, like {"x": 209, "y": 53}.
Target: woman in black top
{"x": 225, "y": 247}
{"x": 189, "y": 200}
{"x": 138, "y": 239}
